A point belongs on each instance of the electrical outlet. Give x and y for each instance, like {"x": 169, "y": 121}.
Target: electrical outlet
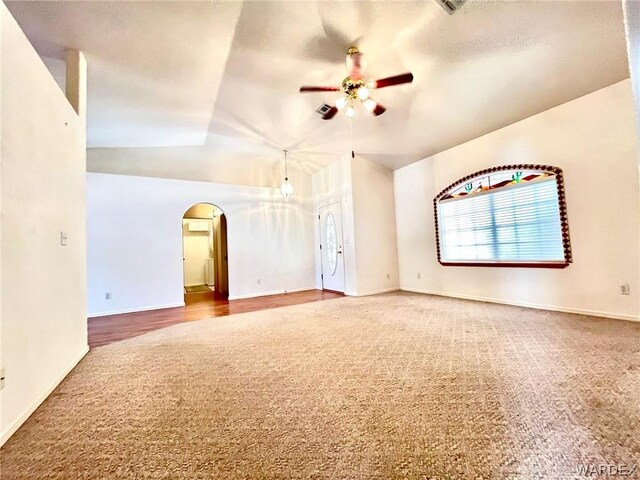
{"x": 625, "y": 289}
{"x": 419, "y": 276}
{"x": 259, "y": 281}
{"x": 107, "y": 296}
{"x": 2, "y": 377}
{"x": 388, "y": 276}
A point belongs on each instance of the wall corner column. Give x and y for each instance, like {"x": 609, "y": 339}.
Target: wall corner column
{"x": 76, "y": 84}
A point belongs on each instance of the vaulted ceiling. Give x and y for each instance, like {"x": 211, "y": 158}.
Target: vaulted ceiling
{"x": 224, "y": 77}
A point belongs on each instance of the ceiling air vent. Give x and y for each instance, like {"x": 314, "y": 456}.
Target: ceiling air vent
{"x": 451, "y": 6}
{"x": 324, "y": 108}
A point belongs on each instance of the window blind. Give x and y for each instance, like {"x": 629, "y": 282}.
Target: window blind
{"x": 520, "y": 223}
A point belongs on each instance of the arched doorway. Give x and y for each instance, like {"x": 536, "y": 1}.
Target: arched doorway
{"x": 204, "y": 253}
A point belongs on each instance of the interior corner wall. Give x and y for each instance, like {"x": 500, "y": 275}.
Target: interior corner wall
{"x": 374, "y": 227}
{"x": 593, "y": 139}
{"x": 43, "y": 287}
{"x": 365, "y": 192}
{"x": 134, "y": 227}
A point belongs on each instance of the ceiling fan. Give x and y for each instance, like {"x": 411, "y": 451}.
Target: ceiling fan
{"x": 355, "y": 87}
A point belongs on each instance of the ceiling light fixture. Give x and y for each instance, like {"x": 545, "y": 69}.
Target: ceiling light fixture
{"x": 363, "y": 93}
{"x": 356, "y": 87}
{"x": 350, "y": 112}
{"x": 286, "y": 188}
{"x": 369, "y": 104}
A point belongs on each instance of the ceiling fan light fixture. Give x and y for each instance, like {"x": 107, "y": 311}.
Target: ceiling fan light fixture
{"x": 363, "y": 93}
{"x": 350, "y": 112}
{"x": 355, "y": 87}
{"x": 370, "y": 104}
{"x": 341, "y": 102}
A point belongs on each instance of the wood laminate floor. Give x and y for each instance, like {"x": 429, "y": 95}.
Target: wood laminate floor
{"x": 112, "y": 328}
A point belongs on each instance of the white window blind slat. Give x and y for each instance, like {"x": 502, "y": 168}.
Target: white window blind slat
{"x": 518, "y": 224}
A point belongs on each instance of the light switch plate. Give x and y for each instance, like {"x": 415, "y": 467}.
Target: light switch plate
{"x": 63, "y": 239}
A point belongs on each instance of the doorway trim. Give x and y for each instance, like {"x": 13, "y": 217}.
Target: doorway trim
{"x": 342, "y": 253}
{"x": 219, "y": 246}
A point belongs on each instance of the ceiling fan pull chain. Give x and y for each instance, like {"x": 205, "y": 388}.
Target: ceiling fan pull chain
{"x": 353, "y": 155}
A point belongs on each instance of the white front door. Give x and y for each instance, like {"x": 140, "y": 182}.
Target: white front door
{"x": 330, "y": 218}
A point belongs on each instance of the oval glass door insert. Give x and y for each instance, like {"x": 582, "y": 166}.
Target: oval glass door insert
{"x": 331, "y": 243}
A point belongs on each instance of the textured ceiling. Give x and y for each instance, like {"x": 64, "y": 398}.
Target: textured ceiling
{"x": 225, "y": 76}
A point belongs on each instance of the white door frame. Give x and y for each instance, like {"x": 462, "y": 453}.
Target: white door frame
{"x": 341, "y": 244}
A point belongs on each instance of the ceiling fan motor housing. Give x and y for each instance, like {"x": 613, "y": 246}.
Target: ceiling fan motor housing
{"x": 355, "y": 63}
{"x": 351, "y": 86}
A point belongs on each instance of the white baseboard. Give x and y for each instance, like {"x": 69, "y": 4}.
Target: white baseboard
{"x": 32, "y": 408}
{"x": 275, "y": 292}
{"x": 133, "y": 310}
{"x": 592, "y": 313}
{"x": 373, "y": 292}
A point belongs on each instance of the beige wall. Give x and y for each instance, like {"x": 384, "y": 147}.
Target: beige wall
{"x": 199, "y": 163}
{"x": 593, "y": 139}
{"x": 134, "y": 227}
{"x": 333, "y": 184}
{"x": 365, "y": 192}
{"x": 44, "y": 328}
{"x": 374, "y": 224}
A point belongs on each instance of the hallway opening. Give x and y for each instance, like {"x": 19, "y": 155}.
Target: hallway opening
{"x": 204, "y": 253}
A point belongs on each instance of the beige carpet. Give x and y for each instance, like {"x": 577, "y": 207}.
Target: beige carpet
{"x": 392, "y": 386}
